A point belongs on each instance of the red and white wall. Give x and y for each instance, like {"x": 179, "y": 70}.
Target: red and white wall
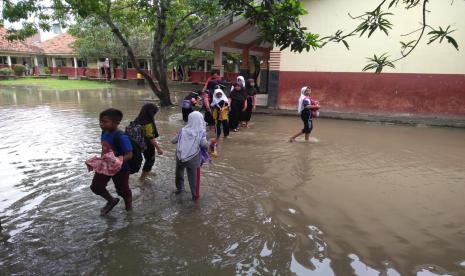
{"x": 430, "y": 81}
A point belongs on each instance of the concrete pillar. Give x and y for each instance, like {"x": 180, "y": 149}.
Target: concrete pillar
{"x": 75, "y": 67}
{"x": 149, "y": 66}
{"x": 218, "y": 64}
{"x": 54, "y": 65}
{"x": 244, "y": 71}
{"x": 205, "y": 66}
{"x": 36, "y": 66}
{"x": 264, "y": 73}
{"x": 273, "y": 78}
{"x": 8, "y": 59}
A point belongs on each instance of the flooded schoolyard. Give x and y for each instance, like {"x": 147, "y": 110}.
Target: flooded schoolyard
{"x": 358, "y": 199}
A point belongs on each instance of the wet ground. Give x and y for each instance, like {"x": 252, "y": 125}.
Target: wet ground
{"x": 358, "y": 199}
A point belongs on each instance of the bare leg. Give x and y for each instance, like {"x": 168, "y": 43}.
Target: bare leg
{"x": 307, "y": 136}
{"x": 143, "y": 176}
{"x": 292, "y": 139}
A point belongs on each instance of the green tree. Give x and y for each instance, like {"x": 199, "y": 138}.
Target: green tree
{"x": 169, "y": 21}
{"x": 94, "y": 40}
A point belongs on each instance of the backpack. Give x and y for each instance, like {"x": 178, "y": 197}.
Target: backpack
{"x": 134, "y": 132}
{"x": 135, "y": 163}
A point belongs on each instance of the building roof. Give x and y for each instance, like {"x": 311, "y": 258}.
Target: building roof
{"x": 234, "y": 32}
{"x": 60, "y": 44}
{"x": 16, "y": 46}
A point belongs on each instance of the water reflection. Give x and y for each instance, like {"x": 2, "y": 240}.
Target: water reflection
{"x": 359, "y": 199}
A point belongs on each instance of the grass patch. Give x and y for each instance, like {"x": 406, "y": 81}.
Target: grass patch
{"x": 54, "y": 84}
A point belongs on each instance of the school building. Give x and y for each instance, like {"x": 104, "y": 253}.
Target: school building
{"x": 429, "y": 82}
{"x": 56, "y": 54}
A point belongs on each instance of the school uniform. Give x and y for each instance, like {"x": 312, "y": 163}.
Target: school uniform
{"x": 189, "y": 142}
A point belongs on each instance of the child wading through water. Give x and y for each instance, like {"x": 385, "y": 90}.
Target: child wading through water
{"x": 220, "y": 107}
{"x": 149, "y": 130}
{"x": 238, "y": 105}
{"x": 115, "y": 140}
{"x": 305, "y": 107}
{"x": 251, "y": 101}
{"x": 189, "y": 142}
{"x": 187, "y": 105}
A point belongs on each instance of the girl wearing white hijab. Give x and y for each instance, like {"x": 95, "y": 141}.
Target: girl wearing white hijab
{"x": 189, "y": 140}
{"x": 304, "y": 108}
{"x": 220, "y": 106}
{"x": 240, "y": 80}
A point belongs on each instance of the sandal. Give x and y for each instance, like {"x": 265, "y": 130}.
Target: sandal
{"x": 108, "y": 207}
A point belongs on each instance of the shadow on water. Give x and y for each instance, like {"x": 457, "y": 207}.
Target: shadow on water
{"x": 358, "y": 199}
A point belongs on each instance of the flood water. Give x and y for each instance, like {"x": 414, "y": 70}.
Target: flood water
{"x": 358, "y": 199}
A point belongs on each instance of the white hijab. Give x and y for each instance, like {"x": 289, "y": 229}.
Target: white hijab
{"x": 190, "y": 137}
{"x": 240, "y": 80}
{"x": 216, "y": 101}
{"x": 301, "y": 99}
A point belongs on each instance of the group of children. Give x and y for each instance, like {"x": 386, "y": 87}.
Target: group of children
{"x": 121, "y": 150}
{"x": 223, "y": 113}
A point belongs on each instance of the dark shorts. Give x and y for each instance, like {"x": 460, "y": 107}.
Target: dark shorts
{"x": 308, "y": 123}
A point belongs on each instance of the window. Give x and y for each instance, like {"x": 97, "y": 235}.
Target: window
{"x": 60, "y": 62}
{"x": 81, "y": 63}
{"x": 143, "y": 64}
{"x": 130, "y": 65}
{"x": 13, "y": 60}
{"x": 56, "y": 28}
{"x": 4, "y": 60}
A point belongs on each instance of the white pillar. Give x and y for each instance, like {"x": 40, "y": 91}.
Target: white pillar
{"x": 75, "y": 67}
{"x": 149, "y": 66}
{"x": 36, "y": 65}
{"x": 205, "y": 65}
{"x": 8, "y": 59}
{"x": 53, "y": 62}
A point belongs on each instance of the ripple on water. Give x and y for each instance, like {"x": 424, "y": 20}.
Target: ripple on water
{"x": 263, "y": 202}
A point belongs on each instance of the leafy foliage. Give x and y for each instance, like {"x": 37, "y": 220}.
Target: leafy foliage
{"x": 378, "y": 63}
{"x": 6, "y": 72}
{"x": 19, "y": 69}
{"x": 374, "y": 20}
{"x": 441, "y": 34}
{"x": 278, "y": 21}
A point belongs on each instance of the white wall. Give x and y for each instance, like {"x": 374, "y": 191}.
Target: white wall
{"x": 327, "y": 16}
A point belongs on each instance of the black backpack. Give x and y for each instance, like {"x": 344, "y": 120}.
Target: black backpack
{"x": 136, "y": 161}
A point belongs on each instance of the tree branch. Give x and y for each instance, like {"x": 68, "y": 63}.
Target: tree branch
{"x": 419, "y": 37}
{"x": 176, "y": 28}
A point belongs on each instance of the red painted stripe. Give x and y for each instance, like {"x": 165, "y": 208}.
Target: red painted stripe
{"x": 429, "y": 94}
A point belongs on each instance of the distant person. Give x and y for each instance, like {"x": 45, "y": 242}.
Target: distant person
{"x": 115, "y": 140}
{"x": 238, "y": 105}
{"x": 215, "y": 76}
{"x": 251, "y": 90}
{"x": 305, "y": 108}
{"x": 188, "y": 104}
{"x": 146, "y": 119}
{"x": 220, "y": 106}
{"x": 107, "y": 69}
{"x": 190, "y": 141}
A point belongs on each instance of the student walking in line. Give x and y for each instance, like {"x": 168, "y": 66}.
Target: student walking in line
{"x": 238, "y": 105}
{"x": 220, "y": 107}
{"x": 190, "y": 140}
{"x": 113, "y": 139}
{"x": 188, "y": 104}
{"x": 305, "y": 107}
{"x": 150, "y": 133}
{"x": 251, "y": 90}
